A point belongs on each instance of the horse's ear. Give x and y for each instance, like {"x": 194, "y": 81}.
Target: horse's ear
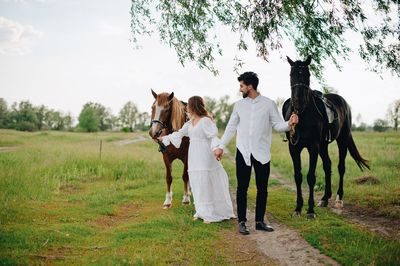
{"x": 308, "y": 60}
{"x": 170, "y": 96}
{"x": 290, "y": 60}
{"x": 154, "y": 94}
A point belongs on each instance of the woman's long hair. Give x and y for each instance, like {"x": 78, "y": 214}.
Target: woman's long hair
{"x": 196, "y": 105}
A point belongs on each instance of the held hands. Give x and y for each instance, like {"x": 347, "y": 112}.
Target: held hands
{"x": 293, "y": 120}
{"x": 218, "y": 154}
{"x": 160, "y": 139}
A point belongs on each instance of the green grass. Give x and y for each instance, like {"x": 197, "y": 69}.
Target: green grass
{"x": 333, "y": 235}
{"x": 58, "y": 198}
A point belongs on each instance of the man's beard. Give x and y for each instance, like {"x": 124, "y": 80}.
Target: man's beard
{"x": 245, "y": 94}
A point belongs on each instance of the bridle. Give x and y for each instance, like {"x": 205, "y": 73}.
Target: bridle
{"x": 306, "y": 96}
{"x": 162, "y": 147}
{"x": 293, "y": 137}
{"x": 163, "y": 125}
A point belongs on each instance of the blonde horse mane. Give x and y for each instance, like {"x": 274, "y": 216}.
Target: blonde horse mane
{"x": 177, "y": 115}
{"x": 177, "y": 111}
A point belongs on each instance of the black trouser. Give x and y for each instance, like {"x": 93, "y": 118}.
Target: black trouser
{"x": 243, "y": 173}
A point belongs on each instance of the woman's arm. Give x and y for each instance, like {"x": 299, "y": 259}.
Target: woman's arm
{"x": 176, "y": 137}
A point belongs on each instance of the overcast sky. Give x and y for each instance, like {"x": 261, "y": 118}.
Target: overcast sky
{"x": 65, "y": 53}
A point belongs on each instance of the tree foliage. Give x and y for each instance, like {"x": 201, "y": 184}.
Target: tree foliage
{"x": 380, "y": 125}
{"x": 394, "y": 114}
{"x": 23, "y": 116}
{"x": 129, "y": 115}
{"x": 314, "y": 27}
{"x": 220, "y": 109}
{"x": 101, "y": 115}
{"x": 4, "y": 114}
{"x": 89, "y": 119}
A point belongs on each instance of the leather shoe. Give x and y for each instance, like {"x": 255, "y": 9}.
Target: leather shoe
{"x": 243, "y": 228}
{"x": 264, "y": 227}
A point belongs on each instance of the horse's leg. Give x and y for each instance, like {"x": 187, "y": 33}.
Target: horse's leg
{"x": 168, "y": 196}
{"x": 185, "y": 177}
{"x": 326, "y": 161}
{"x": 313, "y": 152}
{"x": 342, "y": 145}
{"x": 296, "y": 159}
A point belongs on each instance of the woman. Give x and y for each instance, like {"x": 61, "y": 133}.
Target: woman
{"x": 208, "y": 179}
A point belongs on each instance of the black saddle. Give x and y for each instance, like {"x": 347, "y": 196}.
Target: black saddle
{"x": 321, "y": 103}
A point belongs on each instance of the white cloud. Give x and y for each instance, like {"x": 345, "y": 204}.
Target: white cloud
{"x": 16, "y": 38}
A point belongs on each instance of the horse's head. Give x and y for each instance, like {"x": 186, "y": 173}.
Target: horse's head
{"x": 300, "y": 83}
{"x": 160, "y": 113}
{"x": 166, "y": 113}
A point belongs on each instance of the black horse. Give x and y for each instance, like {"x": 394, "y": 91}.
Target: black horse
{"x": 314, "y": 132}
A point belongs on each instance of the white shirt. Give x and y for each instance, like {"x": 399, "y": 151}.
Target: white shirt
{"x": 253, "y": 120}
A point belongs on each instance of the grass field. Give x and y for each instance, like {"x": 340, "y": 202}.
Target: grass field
{"x": 61, "y": 204}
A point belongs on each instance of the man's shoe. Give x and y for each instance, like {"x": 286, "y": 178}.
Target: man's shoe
{"x": 243, "y": 228}
{"x": 264, "y": 227}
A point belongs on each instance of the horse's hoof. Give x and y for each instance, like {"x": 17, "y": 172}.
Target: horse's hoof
{"x": 186, "y": 199}
{"x": 167, "y": 206}
{"x": 311, "y": 216}
{"x": 296, "y": 214}
{"x": 323, "y": 203}
{"x": 339, "y": 204}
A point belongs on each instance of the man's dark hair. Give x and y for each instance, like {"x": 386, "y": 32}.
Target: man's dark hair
{"x": 249, "y": 78}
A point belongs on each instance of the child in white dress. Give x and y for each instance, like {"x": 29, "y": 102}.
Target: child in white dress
{"x": 208, "y": 179}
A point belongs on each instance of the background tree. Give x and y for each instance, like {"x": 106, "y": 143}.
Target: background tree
{"x": 24, "y": 117}
{"x": 359, "y": 125}
{"x": 314, "y": 27}
{"x": 394, "y": 114}
{"x": 58, "y": 121}
{"x": 68, "y": 121}
{"x": 128, "y": 115}
{"x": 380, "y": 125}
{"x": 4, "y": 114}
{"x": 103, "y": 114}
{"x": 223, "y": 111}
{"x": 88, "y": 119}
{"x": 211, "y": 105}
{"x": 143, "y": 121}
{"x": 40, "y": 114}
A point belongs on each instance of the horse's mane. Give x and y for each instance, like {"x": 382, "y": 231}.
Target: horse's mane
{"x": 178, "y": 114}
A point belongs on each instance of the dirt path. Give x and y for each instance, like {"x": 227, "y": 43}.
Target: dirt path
{"x": 363, "y": 217}
{"x": 8, "y": 148}
{"x": 130, "y": 141}
{"x": 284, "y": 245}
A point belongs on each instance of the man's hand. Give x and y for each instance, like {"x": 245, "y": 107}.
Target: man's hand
{"x": 294, "y": 120}
{"x": 218, "y": 153}
{"x": 160, "y": 139}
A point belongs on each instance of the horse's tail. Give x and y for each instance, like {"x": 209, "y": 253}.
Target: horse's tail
{"x": 361, "y": 162}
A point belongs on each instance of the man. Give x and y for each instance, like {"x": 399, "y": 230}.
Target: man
{"x": 253, "y": 118}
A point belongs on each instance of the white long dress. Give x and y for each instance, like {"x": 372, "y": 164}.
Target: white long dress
{"x": 208, "y": 179}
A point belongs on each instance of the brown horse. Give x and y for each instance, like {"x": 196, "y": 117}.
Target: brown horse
{"x": 168, "y": 114}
